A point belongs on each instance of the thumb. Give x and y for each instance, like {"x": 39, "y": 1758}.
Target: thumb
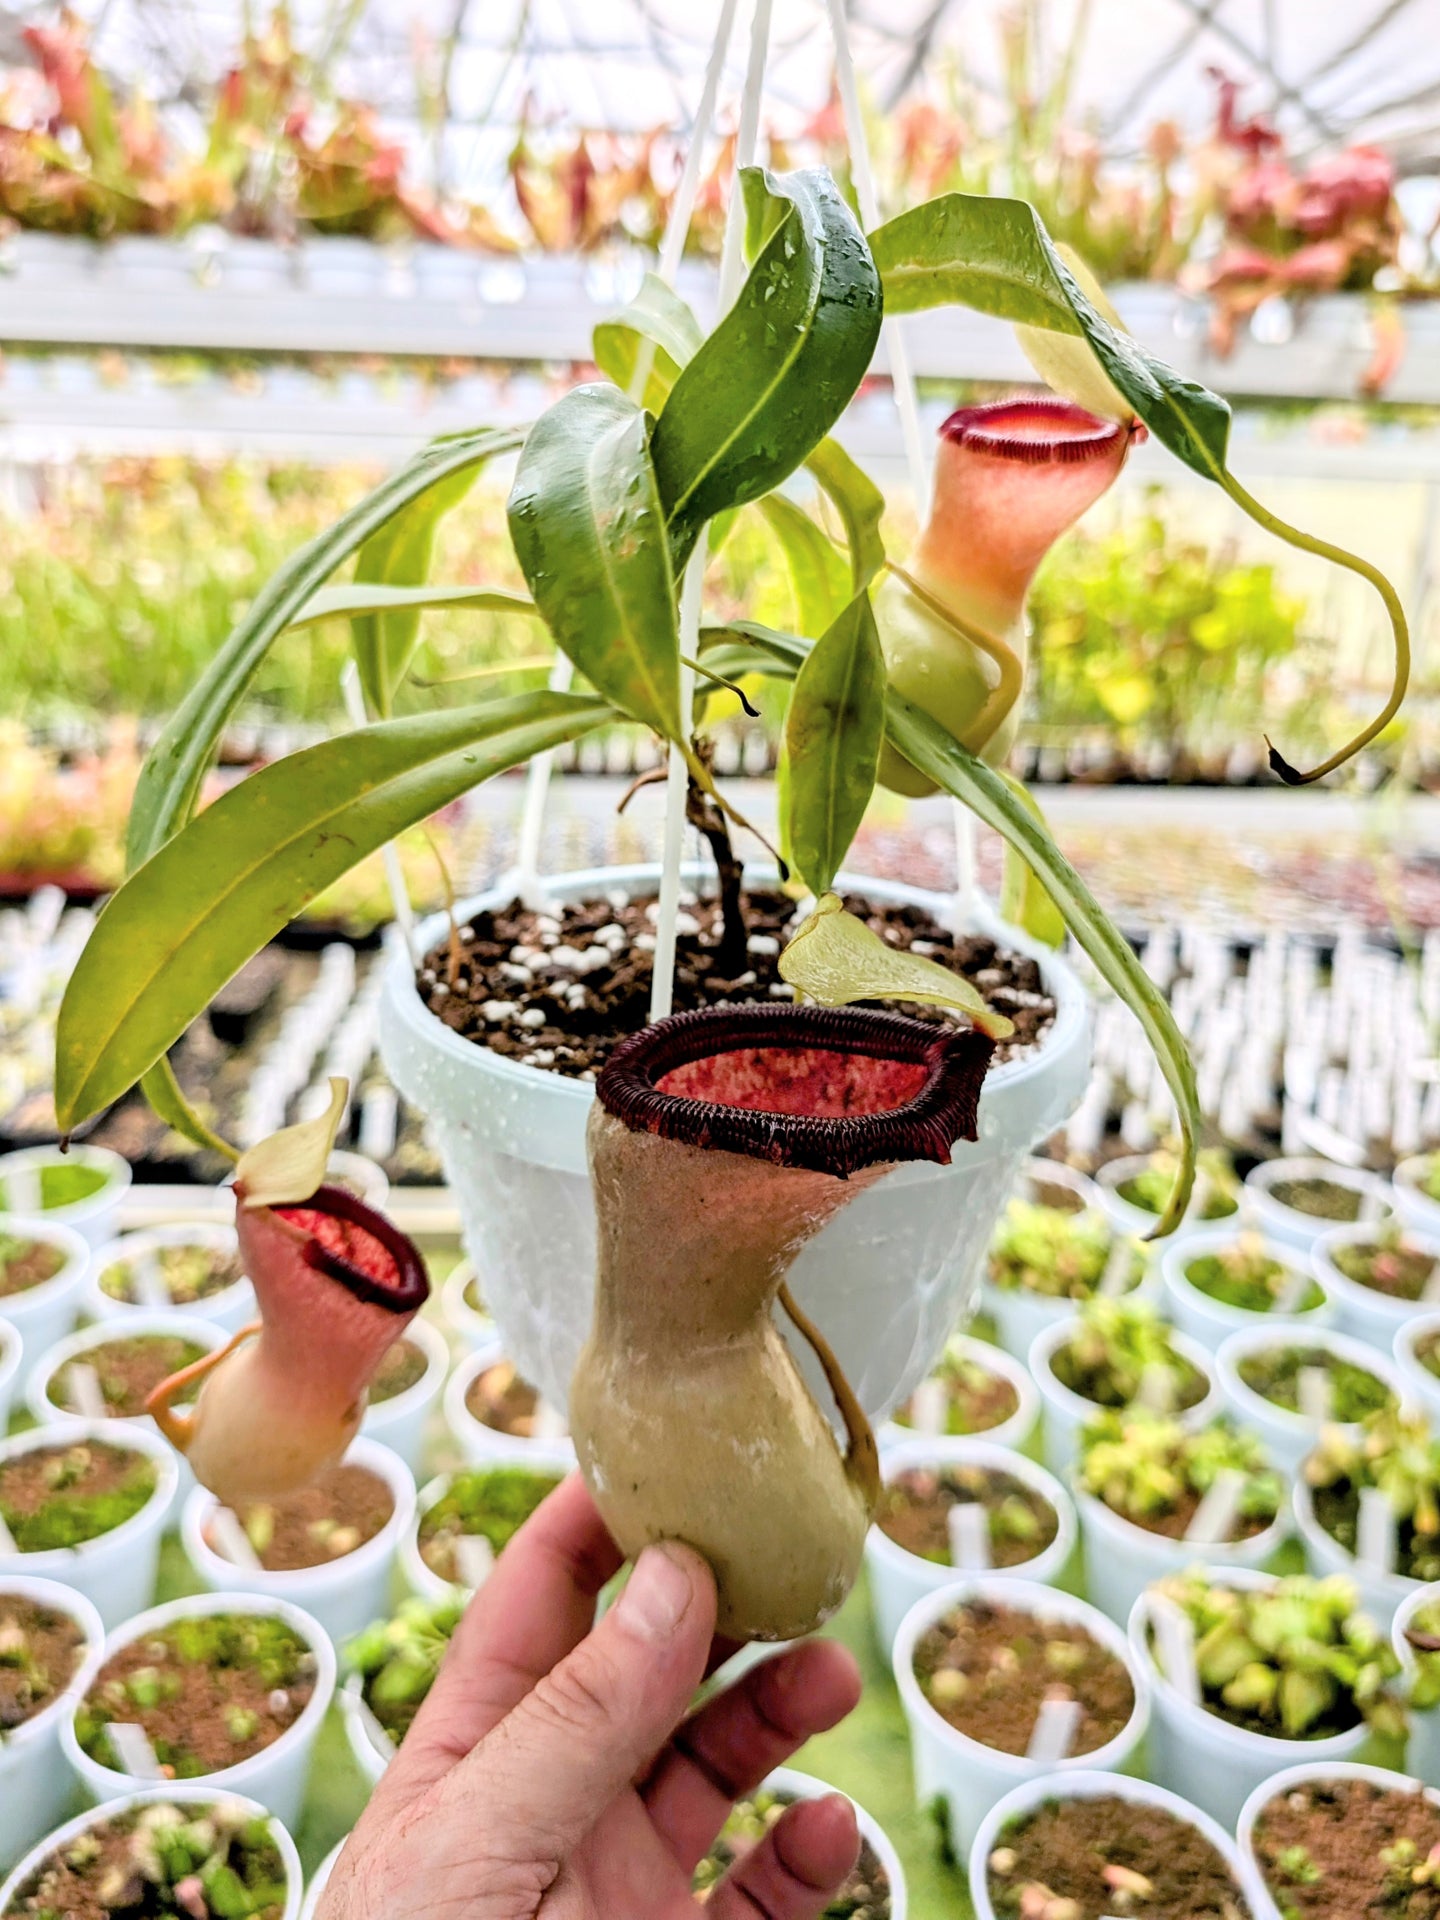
{"x": 548, "y": 1771}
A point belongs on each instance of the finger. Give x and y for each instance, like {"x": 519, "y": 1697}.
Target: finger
{"x": 578, "y": 1739}
{"x": 798, "y": 1867}
{"x": 726, "y": 1749}
{"x": 536, "y": 1606}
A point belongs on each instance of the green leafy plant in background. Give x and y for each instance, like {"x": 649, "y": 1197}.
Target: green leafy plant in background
{"x": 611, "y": 500}
{"x": 1122, "y": 1350}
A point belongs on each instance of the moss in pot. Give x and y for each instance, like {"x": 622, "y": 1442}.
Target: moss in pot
{"x": 1390, "y": 1264}
{"x": 63, "y": 1495}
{"x": 977, "y": 1398}
{"x": 337, "y": 1513}
{"x": 1150, "y": 1189}
{"x": 191, "y": 1272}
{"x": 1320, "y": 1199}
{"x": 127, "y": 1370}
{"x": 40, "y": 1650}
{"x": 1355, "y": 1392}
{"x": 988, "y": 1669}
{"x": 1055, "y": 1253}
{"x": 1155, "y": 1473}
{"x": 398, "y": 1659}
{"x": 1398, "y": 1454}
{"x": 162, "y": 1860}
{"x": 209, "y": 1692}
{"x": 915, "y": 1507}
{"x": 1246, "y": 1277}
{"x": 1295, "y": 1661}
{"x": 60, "y": 1183}
{"x": 26, "y": 1263}
{"x": 1092, "y": 1856}
{"x": 1350, "y": 1849}
{"x": 864, "y": 1896}
{"x": 1123, "y": 1350}
{"x": 490, "y": 1503}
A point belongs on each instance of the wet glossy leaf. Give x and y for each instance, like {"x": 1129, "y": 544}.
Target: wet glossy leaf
{"x": 833, "y": 729}
{"x": 1023, "y": 899}
{"x": 399, "y": 555}
{"x": 344, "y": 603}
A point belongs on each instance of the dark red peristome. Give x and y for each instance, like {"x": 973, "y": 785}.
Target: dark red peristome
{"x": 831, "y": 1089}
{"x": 361, "y": 1249}
{"x": 1036, "y": 430}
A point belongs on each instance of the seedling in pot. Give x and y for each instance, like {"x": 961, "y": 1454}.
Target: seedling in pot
{"x": 1391, "y": 1264}
{"x": 122, "y": 1373}
{"x": 399, "y": 1658}
{"x": 1342, "y": 1848}
{"x": 335, "y": 1515}
{"x": 962, "y": 1397}
{"x": 26, "y": 1263}
{"x": 1124, "y": 1351}
{"x": 487, "y": 1504}
{"x": 1397, "y": 1457}
{"x": 63, "y": 1495}
{"x": 1350, "y": 1393}
{"x": 1059, "y": 1255}
{"x": 1297, "y": 1660}
{"x": 40, "y": 1650}
{"x": 1160, "y": 1476}
{"x": 919, "y": 1505}
{"x": 1246, "y": 1277}
{"x": 175, "y": 1274}
{"x": 864, "y": 1896}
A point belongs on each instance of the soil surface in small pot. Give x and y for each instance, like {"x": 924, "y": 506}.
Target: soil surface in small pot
{"x": 1110, "y": 1855}
{"x": 988, "y": 1669}
{"x": 561, "y": 989}
{"x": 61, "y": 1185}
{"x": 26, "y": 1263}
{"x": 1400, "y": 1271}
{"x": 133, "y": 1867}
{"x": 39, "y": 1652}
{"x": 1319, "y": 1198}
{"x": 1355, "y": 1392}
{"x": 497, "y": 1397}
{"x": 864, "y": 1896}
{"x": 402, "y": 1368}
{"x": 1177, "y": 1522}
{"x": 492, "y": 1503}
{"x": 127, "y": 1370}
{"x": 1100, "y": 1386}
{"x": 977, "y": 1398}
{"x": 1349, "y": 1850}
{"x": 1337, "y": 1509}
{"x": 343, "y": 1509}
{"x": 190, "y": 1272}
{"x": 915, "y": 1506}
{"x": 1251, "y": 1282}
{"x": 209, "y": 1692}
{"x": 61, "y": 1496}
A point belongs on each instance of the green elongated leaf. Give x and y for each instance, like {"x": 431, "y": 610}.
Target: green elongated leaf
{"x": 833, "y": 730}
{"x": 778, "y": 371}
{"x": 927, "y": 746}
{"x": 860, "y": 505}
{"x": 1023, "y": 899}
{"x": 163, "y": 1091}
{"x": 818, "y": 572}
{"x": 657, "y": 322}
{"x": 588, "y": 530}
{"x": 399, "y": 555}
{"x": 344, "y": 603}
{"x": 786, "y": 653}
{"x": 170, "y": 780}
{"x": 217, "y": 891}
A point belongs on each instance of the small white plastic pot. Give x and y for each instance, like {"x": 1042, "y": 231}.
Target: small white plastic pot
{"x": 1262, "y": 1903}
{"x": 1217, "y": 1765}
{"x": 1125, "y": 1217}
{"x": 345, "y": 1594}
{"x": 11, "y": 1349}
{"x": 1289, "y": 1437}
{"x": 1034, "y": 1794}
{"x": 1067, "y": 1413}
{"x": 231, "y": 1307}
{"x": 1121, "y": 1558}
{"x": 470, "y": 1328}
{"x": 95, "y": 1218}
{"x": 116, "y": 1570}
{"x": 1302, "y": 1230}
{"x": 1210, "y": 1321}
{"x": 545, "y": 1457}
{"x": 1412, "y": 1203}
{"x": 480, "y": 1444}
{"x": 794, "y": 1785}
{"x": 1421, "y": 1386}
{"x": 184, "y": 1326}
{"x": 189, "y": 1793}
{"x": 1422, "y": 1750}
{"x": 898, "y": 1579}
{"x": 35, "y": 1782}
{"x": 370, "y": 1745}
{"x": 401, "y": 1423}
{"x": 1013, "y": 1432}
{"x": 967, "y": 1776}
{"x": 43, "y": 1314}
{"x": 364, "y": 1176}
{"x": 319, "y": 1880}
{"x": 1365, "y": 1311}
{"x": 276, "y": 1776}
{"x": 1381, "y": 1594}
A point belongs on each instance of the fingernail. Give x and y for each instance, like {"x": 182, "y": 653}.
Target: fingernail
{"x": 656, "y": 1596}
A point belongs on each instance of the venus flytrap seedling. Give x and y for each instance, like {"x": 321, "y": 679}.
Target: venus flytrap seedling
{"x": 1397, "y": 1456}
{"x": 399, "y": 1658}
{"x": 1123, "y": 1350}
{"x": 1057, "y": 1256}
{"x": 1152, "y": 1470}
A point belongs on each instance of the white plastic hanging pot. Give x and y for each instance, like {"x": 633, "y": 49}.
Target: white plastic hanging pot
{"x": 35, "y": 1782}
{"x": 886, "y": 1281}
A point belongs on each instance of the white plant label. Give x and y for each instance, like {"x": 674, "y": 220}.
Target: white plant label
{"x": 1375, "y": 1532}
{"x": 1218, "y": 1511}
{"x": 131, "y": 1747}
{"x": 1157, "y": 1389}
{"x": 1056, "y": 1726}
{"x": 968, "y": 1525}
{"x": 1115, "y": 1280}
{"x": 1175, "y": 1645}
{"x": 86, "y": 1399}
{"x": 22, "y": 1189}
{"x": 549, "y": 1422}
{"x": 929, "y": 1408}
{"x": 474, "y": 1559}
{"x": 1296, "y": 1286}
{"x": 1315, "y": 1394}
{"x": 148, "y": 1281}
{"x": 231, "y": 1540}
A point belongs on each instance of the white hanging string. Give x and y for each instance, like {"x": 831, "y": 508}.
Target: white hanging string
{"x": 662, "y": 988}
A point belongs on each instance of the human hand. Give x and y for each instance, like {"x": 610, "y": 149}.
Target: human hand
{"x": 552, "y": 1774}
